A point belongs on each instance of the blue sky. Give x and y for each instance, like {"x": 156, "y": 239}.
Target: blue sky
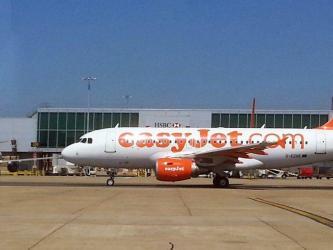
{"x": 166, "y": 54}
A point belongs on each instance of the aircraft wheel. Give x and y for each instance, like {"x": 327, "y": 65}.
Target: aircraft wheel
{"x": 87, "y": 172}
{"x": 110, "y": 182}
{"x": 216, "y": 180}
{"x": 221, "y": 181}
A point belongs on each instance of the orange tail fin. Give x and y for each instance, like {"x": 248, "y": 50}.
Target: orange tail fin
{"x": 327, "y": 126}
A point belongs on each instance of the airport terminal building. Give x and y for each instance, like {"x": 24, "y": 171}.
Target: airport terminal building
{"x": 55, "y": 128}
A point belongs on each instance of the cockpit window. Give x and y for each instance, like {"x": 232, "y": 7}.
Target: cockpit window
{"x": 86, "y": 140}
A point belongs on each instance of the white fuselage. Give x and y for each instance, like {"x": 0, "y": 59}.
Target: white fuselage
{"x": 141, "y": 147}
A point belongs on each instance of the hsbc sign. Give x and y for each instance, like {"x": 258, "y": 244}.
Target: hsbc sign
{"x": 167, "y": 125}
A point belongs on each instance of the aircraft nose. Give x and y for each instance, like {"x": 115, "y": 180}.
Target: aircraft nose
{"x": 68, "y": 153}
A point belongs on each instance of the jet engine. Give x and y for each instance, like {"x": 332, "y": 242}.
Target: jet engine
{"x": 173, "y": 169}
{"x": 12, "y": 167}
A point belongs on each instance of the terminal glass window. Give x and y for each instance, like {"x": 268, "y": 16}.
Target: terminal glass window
{"x": 242, "y": 121}
{"x": 59, "y": 129}
{"x": 306, "y": 121}
{"x": 115, "y": 119}
{"x": 44, "y": 120}
{"x": 53, "y": 121}
{"x": 269, "y": 121}
{"x": 288, "y": 121}
{"x": 107, "y": 120}
{"x": 216, "y": 120}
{"x": 297, "y": 121}
{"x": 323, "y": 119}
{"x": 91, "y": 122}
{"x": 233, "y": 121}
{"x": 62, "y": 121}
{"x": 71, "y": 121}
{"x": 70, "y": 137}
{"x": 52, "y": 139}
{"x": 61, "y": 139}
{"x": 260, "y": 120}
{"x": 278, "y": 121}
{"x": 80, "y": 121}
{"x": 134, "y": 121}
{"x": 224, "y": 121}
{"x": 98, "y": 121}
{"x": 125, "y": 119}
{"x": 43, "y": 138}
{"x": 314, "y": 121}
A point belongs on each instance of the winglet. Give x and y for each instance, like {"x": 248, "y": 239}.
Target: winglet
{"x": 327, "y": 126}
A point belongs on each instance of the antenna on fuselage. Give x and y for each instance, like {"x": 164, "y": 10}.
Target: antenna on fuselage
{"x": 263, "y": 126}
{"x": 117, "y": 126}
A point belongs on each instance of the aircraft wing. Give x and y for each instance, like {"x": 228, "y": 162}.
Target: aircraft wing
{"x": 232, "y": 153}
{"x": 30, "y": 159}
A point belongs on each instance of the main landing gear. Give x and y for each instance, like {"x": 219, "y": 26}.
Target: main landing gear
{"x": 220, "y": 181}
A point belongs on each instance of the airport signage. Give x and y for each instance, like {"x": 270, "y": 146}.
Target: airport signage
{"x": 167, "y": 125}
{"x": 35, "y": 144}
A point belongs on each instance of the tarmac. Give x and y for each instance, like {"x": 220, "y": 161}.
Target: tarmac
{"x": 143, "y": 213}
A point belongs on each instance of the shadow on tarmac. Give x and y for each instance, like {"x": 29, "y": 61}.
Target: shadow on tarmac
{"x": 162, "y": 185}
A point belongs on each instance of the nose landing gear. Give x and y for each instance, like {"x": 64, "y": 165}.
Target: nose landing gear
{"x": 110, "y": 181}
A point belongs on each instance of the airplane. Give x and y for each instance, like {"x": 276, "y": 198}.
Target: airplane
{"x": 178, "y": 154}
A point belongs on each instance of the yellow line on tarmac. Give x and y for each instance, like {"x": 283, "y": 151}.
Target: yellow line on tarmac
{"x": 317, "y": 218}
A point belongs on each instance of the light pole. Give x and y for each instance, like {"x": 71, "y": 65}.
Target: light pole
{"x": 89, "y": 79}
{"x": 127, "y": 97}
